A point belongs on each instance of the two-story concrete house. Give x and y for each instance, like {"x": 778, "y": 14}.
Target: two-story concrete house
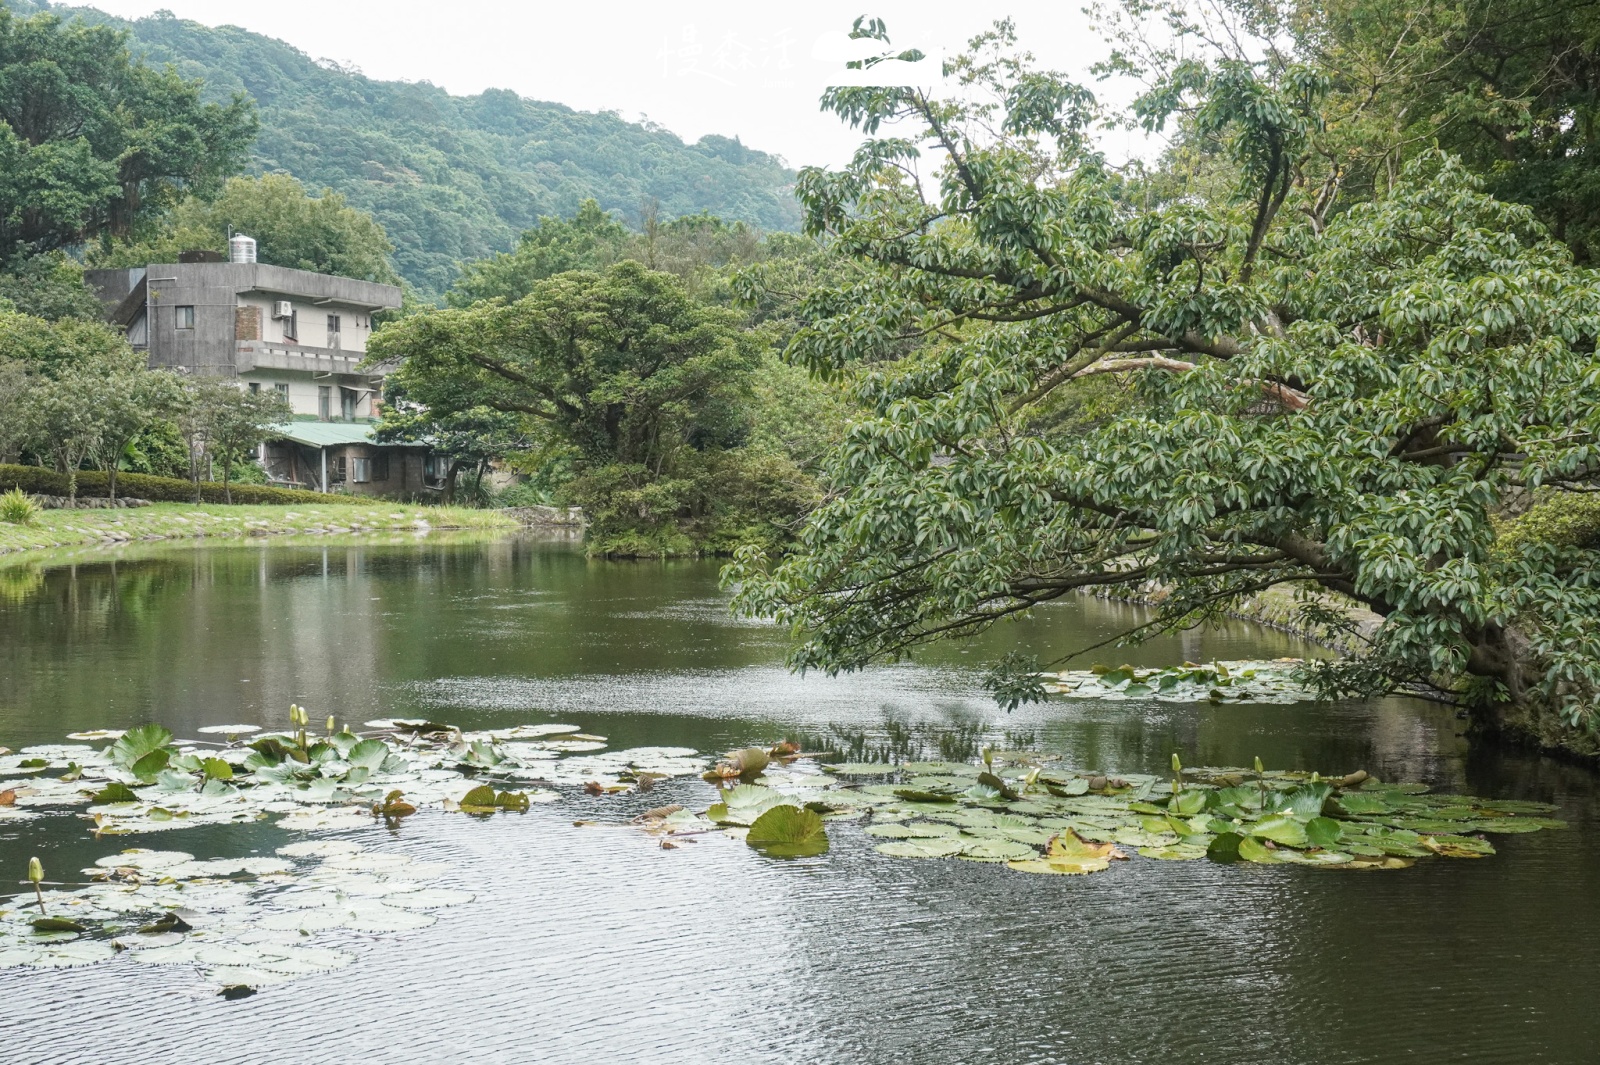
{"x": 301, "y": 333}
{"x": 296, "y": 331}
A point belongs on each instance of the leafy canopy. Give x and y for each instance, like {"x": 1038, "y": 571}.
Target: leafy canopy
{"x": 94, "y": 144}
{"x": 292, "y": 228}
{"x": 1330, "y": 399}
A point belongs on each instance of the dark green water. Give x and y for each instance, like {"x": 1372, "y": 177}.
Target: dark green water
{"x": 591, "y": 945}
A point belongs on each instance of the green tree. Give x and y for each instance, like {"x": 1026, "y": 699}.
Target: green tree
{"x": 639, "y": 380}
{"x": 239, "y": 422}
{"x": 1511, "y": 86}
{"x": 94, "y": 144}
{"x": 590, "y": 240}
{"x": 51, "y": 348}
{"x": 131, "y": 398}
{"x": 69, "y": 418}
{"x": 49, "y": 287}
{"x": 18, "y": 409}
{"x": 292, "y": 228}
{"x": 1330, "y": 396}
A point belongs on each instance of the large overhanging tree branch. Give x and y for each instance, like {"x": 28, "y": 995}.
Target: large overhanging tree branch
{"x": 1338, "y": 400}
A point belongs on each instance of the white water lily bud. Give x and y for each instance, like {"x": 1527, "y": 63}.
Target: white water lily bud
{"x": 331, "y": 724}
{"x": 1259, "y": 767}
{"x": 1177, "y": 766}
{"x": 35, "y": 870}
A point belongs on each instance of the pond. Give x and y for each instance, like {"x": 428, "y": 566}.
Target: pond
{"x": 586, "y": 943}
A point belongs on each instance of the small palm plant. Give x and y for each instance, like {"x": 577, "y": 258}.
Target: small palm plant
{"x": 17, "y": 508}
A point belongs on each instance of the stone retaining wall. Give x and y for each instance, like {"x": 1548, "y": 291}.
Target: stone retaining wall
{"x": 567, "y": 517}
{"x": 87, "y": 503}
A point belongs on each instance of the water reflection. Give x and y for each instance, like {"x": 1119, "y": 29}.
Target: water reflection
{"x": 589, "y": 943}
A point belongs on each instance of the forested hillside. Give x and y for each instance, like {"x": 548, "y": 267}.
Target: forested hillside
{"x": 454, "y": 178}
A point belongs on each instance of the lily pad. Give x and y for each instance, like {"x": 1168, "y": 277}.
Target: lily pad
{"x": 788, "y": 832}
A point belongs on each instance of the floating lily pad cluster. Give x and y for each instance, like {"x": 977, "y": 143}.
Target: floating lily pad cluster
{"x": 1241, "y": 682}
{"x": 242, "y": 923}
{"x": 1023, "y": 810}
{"x": 145, "y": 781}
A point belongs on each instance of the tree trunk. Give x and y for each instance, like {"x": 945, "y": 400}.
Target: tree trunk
{"x": 450, "y": 482}
{"x": 72, "y": 488}
{"x": 227, "y": 479}
{"x": 1528, "y": 716}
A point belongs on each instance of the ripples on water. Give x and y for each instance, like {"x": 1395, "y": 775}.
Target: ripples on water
{"x": 591, "y": 944}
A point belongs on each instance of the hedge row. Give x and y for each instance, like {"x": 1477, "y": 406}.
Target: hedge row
{"x": 36, "y": 480}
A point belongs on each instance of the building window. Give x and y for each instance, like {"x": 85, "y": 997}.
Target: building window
{"x": 347, "y": 404}
{"x": 291, "y": 326}
{"x": 380, "y": 467}
{"x": 361, "y": 471}
{"x": 255, "y": 388}
{"x": 341, "y": 469}
{"x": 183, "y": 317}
{"x": 283, "y": 391}
{"x": 333, "y": 330}
{"x": 325, "y": 402}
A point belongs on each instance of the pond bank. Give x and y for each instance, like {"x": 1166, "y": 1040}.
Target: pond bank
{"x": 210, "y": 521}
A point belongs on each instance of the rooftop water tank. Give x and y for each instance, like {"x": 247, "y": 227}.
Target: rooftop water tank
{"x": 241, "y": 249}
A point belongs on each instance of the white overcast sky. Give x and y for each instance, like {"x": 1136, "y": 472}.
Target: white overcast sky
{"x": 742, "y": 69}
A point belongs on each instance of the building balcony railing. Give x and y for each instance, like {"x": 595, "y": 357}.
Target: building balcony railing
{"x": 270, "y": 355}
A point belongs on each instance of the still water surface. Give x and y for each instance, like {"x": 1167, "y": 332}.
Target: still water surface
{"x": 592, "y": 945}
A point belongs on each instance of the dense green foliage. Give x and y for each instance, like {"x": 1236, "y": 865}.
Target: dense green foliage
{"x": 291, "y": 227}
{"x": 1325, "y": 391}
{"x": 95, "y": 144}
{"x": 451, "y": 178}
{"x": 645, "y": 390}
{"x": 35, "y": 480}
{"x": 1513, "y": 88}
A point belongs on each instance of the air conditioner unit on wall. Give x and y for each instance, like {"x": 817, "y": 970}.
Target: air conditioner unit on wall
{"x": 282, "y": 309}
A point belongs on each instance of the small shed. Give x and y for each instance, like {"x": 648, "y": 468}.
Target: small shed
{"x": 343, "y": 457}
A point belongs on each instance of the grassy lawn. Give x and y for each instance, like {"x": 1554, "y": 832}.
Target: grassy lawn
{"x": 173, "y": 521}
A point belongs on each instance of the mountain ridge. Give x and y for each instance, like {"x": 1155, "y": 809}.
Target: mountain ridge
{"x": 453, "y": 178}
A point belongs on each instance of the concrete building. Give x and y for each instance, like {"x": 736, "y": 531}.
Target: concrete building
{"x": 269, "y": 327}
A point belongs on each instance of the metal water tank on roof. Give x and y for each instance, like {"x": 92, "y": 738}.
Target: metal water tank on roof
{"x": 241, "y": 249}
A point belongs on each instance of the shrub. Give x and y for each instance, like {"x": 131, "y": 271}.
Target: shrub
{"x": 40, "y": 481}
{"x": 17, "y": 509}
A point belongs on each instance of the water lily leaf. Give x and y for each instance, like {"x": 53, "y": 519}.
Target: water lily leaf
{"x": 114, "y": 793}
{"x": 1061, "y": 866}
{"x": 1458, "y": 846}
{"x": 788, "y": 832}
{"x": 923, "y": 847}
{"x": 1502, "y": 825}
{"x": 1068, "y": 845}
{"x": 989, "y": 780}
{"x": 995, "y": 850}
{"x": 1225, "y": 848}
{"x": 137, "y": 743}
{"x": 1187, "y": 803}
{"x": 480, "y": 799}
{"x": 56, "y": 924}
{"x": 73, "y": 955}
{"x": 1324, "y": 832}
{"x": 149, "y": 766}
{"x": 861, "y": 769}
{"x": 1175, "y": 852}
{"x": 369, "y": 754}
{"x": 217, "y": 769}
{"x": 228, "y": 730}
{"x": 1280, "y": 828}
{"x": 1251, "y": 849}
{"x": 915, "y": 795}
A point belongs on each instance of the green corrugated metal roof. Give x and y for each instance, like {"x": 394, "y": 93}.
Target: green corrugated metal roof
{"x": 325, "y": 434}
